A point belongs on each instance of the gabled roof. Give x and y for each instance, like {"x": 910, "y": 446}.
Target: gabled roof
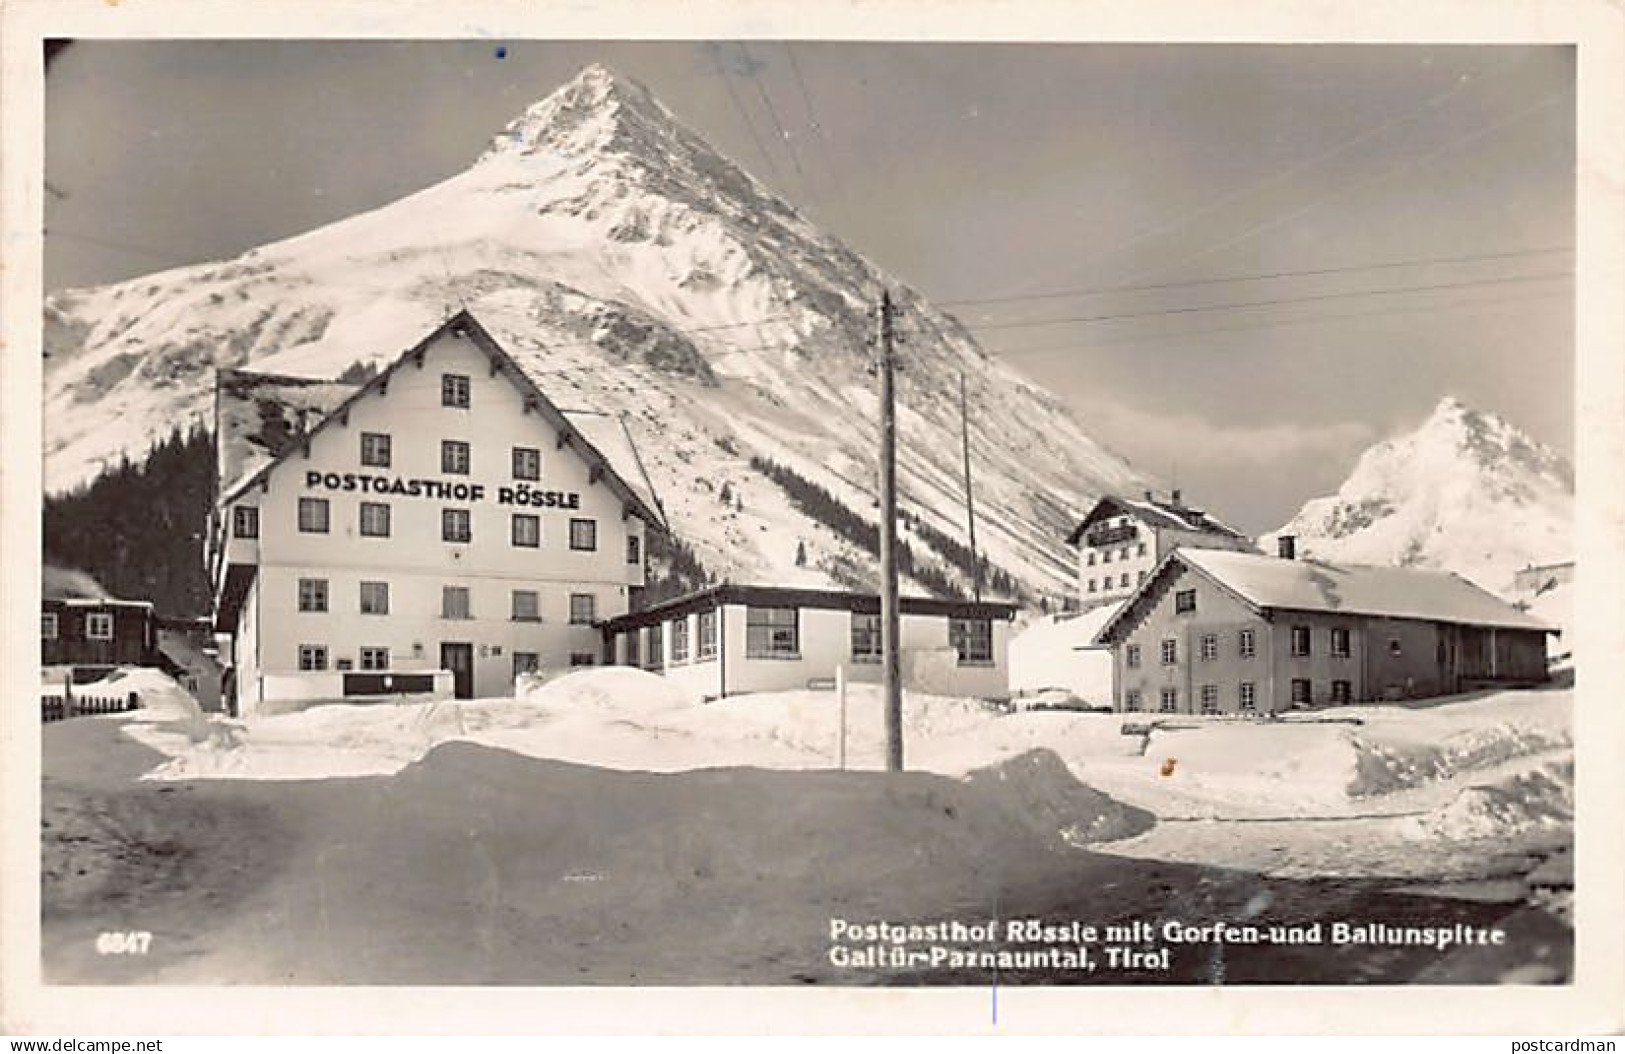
{"x": 1155, "y": 514}
{"x": 1268, "y": 583}
{"x": 617, "y": 473}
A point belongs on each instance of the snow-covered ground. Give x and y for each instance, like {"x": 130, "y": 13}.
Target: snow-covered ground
{"x": 1056, "y": 652}
{"x": 1418, "y": 791}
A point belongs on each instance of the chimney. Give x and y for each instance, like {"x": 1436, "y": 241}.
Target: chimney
{"x": 1286, "y": 546}
{"x": 1174, "y": 496}
{"x": 1150, "y": 495}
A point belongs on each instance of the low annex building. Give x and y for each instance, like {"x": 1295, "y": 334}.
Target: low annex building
{"x": 1121, "y": 540}
{"x": 1220, "y": 632}
{"x": 436, "y": 529}
{"x": 731, "y": 639}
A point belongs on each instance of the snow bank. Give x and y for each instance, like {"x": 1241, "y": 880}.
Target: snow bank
{"x": 1540, "y": 798}
{"x": 1048, "y": 795}
{"x": 1055, "y": 652}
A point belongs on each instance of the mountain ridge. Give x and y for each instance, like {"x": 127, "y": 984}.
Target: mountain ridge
{"x": 641, "y": 273}
{"x": 1465, "y": 491}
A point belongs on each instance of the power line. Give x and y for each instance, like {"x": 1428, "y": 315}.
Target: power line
{"x": 1266, "y": 324}
{"x": 817, "y": 126}
{"x": 1386, "y": 173}
{"x": 767, "y": 101}
{"x": 1104, "y": 290}
{"x": 739, "y": 108}
{"x": 1030, "y": 323}
{"x": 1294, "y": 170}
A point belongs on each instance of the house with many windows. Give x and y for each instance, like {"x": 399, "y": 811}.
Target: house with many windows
{"x": 1122, "y": 540}
{"x": 730, "y": 639}
{"x": 434, "y": 530}
{"x": 1224, "y": 632}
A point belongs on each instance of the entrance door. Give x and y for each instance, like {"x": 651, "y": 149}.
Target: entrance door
{"x": 458, "y": 657}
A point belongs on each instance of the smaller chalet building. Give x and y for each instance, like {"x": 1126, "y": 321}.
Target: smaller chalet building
{"x": 1121, "y": 541}
{"x": 83, "y": 631}
{"x": 730, "y": 639}
{"x": 1218, "y": 632}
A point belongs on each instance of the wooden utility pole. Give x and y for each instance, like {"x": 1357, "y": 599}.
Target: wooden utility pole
{"x": 890, "y": 623}
{"x": 970, "y": 501}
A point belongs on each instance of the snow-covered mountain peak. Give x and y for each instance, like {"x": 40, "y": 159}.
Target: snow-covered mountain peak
{"x": 1466, "y": 491}
{"x": 583, "y": 117}
{"x": 661, "y": 283}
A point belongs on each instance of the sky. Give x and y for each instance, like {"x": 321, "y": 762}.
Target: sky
{"x": 1322, "y": 240}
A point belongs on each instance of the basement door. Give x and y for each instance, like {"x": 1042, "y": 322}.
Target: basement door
{"x": 458, "y": 657}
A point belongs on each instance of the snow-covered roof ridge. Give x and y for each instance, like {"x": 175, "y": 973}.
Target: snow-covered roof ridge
{"x": 1269, "y": 582}
{"x": 618, "y": 473}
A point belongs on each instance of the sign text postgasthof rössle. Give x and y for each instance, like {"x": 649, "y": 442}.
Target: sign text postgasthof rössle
{"x": 443, "y": 490}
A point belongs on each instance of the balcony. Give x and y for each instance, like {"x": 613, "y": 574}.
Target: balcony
{"x": 1100, "y": 536}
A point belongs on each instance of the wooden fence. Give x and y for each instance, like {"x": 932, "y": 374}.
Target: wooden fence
{"x": 60, "y": 707}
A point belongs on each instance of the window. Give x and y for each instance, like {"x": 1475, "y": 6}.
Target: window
{"x": 1091, "y": 559}
{"x": 343, "y": 664}
{"x": 375, "y": 658}
{"x": 1140, "y": 551}
{"x": 708, "y": 635}
{"x": 1394, "y": 646}
{"x": 1170, "y": 651}
{"x": 375, "y": 598}
{"x": 527, "y": 463}
{"x": 772, "y": 633}
{"x": 1106, "y": 557}
{"x": 454, "y": 602}
{"x": 583, "y": 658}
{"x": 1300, "y": 690}
{"x": 1342, "y": 692}
{"x": 374, "y": 451}
{"x": 47, "y": 625}
{"x": 1210, "y": 698}
{"x": 972, "y": 638}
{"x": 655, "y": 650}
{"x": 1185, "y": 601}
{"x": 679, "y": 639}
{"x": 1140, "y": 579}
{"x": 584, "y": 535}
{"x": 1091, "y": 585}
{"x": 865, "y": 637}
{"x": 1300, "y": 640}
{"x": 1131, "y": 656}
{"x": 1170, "y": 701}
{"x": 374, "y": 519}
{"x": 245, "y": 521}
{"x": 526, "y": 607}
{"x": 1340, "y": 642}
{"x": 1248, "y": 642}
{"x": 1131, "y": 700}
{"x": 312, "y": 657}
{"x": 1123, "y": 580}
{"x": 1248, "y": 697}
{"x": 526, "y": 662}
{"x": 454, "y": 457}
{"x": 453, "y": 390}
{"x": 313, "y": 515}
{"x": 1122, "y": 554}
{"x": 1210, "y": 647}
{"x": 456, "y": 525}
{"x": 527, "y": 530}
{"x": 313, "y": 594}
{"x": 99, "y": 625}
{"x": 634, "y": 550}
{"x": 583, "y": 609}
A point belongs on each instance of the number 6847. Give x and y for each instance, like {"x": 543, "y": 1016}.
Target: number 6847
{"x": 120, "y": 942}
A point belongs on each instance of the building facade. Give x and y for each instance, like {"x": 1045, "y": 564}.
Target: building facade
{"x": 1213, "y": 632}
{"x": 732, "y": 639}
{"x": 442, "y": 527}
{"x": 1121, "y": 541}
{"x": 78, "y": 631}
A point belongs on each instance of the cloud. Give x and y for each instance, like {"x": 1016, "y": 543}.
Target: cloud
{"x": 1192, "y": 441}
